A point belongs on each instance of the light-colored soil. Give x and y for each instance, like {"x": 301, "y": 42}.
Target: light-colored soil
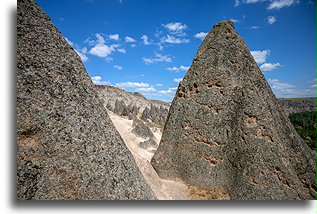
{"x": 164, "y": 189}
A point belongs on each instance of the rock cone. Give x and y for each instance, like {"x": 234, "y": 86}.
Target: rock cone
{"x": 226, "y": 131}
{"x": 67, "y": 146}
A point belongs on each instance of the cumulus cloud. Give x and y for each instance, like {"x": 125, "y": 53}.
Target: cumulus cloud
{"x": 159, "y": 58}
{"x": 177, "y": 80}
{"x": 133, "y": 45}
{"x": 129, "y": 39}
{"x": 174, "y": 40}
{"x": 180, "y": 68}
{"x": 159, "y": 85}
{"x": 121, "y": 50}
{"x": 287, "y": 90}
{"x": 271, "y": 20}
{"x": 276, "y": 84}
{"x": 200, "y": 35}
{"x": 97, "y": 80}
{"x": 114, "y": 37}
{"x": 260, "y": 56}
{"x": 82, "y": 55}
{"x": 269, "y": 66}
{"x": 175, "y": 26}
{"x": 101, "y": 49}
{"x": 278, "y": 4}
{"x": 132, "y": 85}
{"x": 145, "y": 40}
{"x": 118, "y": 67}
{"x": 148, "y": 89}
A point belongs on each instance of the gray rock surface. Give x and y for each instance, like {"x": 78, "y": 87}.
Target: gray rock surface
{"x": 110, "y": 95}
{"x": 68, "y": 149}
{"x": 150, "y": 143}
{"x": 142, "y": 129}
{"x": 226, "y": 131}
{"x": 296, "y": 105}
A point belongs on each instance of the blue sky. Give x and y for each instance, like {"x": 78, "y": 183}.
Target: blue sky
{"x": 147, "y": 46}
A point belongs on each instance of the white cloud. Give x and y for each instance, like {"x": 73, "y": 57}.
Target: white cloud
{"x": 97, "y": 80}
{"x": 101, "y": 50}
{"x": 166, "y": 92}
{"x": 234, "y": 20}
{"x": 172, "y": 89}
{"x": 121, "y": 50}
{"x": 254, "y": 27}
{"x": 200, "y": 35}
{"x": 252, "y": 1}
{"x": 278, "y": 4}
{"x": 276, "y": 84}
{"x": 114, "y": 37}
{"x": 271, "y": 20}
{"x": 236, "y": 3}
{"x": 159, "y": 58}
{"x": 281, "y": 89}
{"x": 132, "y": 85}
{"x": 269, "y": 66}
{"x": 159, "y": 85}
{"x": 313, "y": 86}
{"x": 145, "y": 40}
{"x": 100, "y": 39}
{"x": 173, "y": 40}
{"x": 175, "y": 26}
{"x": 82, "y": 56}
{"x": 177, "y": 80}
{"x": 181, "y": 68}
{"x": 118, "y": 67}
{"x": 129, "y": 39}
{"x": 260, "y": 56}
{"x": 69, "y": 42}
{"x": 148, "y": 89}
{"x": 133, "y": 45}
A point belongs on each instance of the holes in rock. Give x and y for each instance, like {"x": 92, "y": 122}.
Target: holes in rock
{"x": 213, "y": 161}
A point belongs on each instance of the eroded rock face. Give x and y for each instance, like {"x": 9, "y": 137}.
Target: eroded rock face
{"x": 225, "y": 129}
{"x": 142, "y": 129}
{"x": 67, "y": 146}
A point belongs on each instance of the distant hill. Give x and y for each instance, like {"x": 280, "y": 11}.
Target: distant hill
{"x": 296, "y": 105}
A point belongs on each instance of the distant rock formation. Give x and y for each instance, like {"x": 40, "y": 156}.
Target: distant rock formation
{"x": 296, "y": 105}
{"x": 226, "y": 131}
{"x": 142, "y": 130}
{"x": 150, "y": 143}
{"x": 68, "y": 149}
{"x": 133, "y": 105}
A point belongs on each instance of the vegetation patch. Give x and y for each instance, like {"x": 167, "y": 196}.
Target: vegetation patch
{"x": 305, "y": 125}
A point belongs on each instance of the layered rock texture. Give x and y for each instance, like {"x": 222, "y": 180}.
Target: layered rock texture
{"x": 226, "y": 131}
{"x": 296, "y": 105}
{"x": 67, "y": 146}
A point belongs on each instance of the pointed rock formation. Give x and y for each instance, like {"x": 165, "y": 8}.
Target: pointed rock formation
{"x": 226, "y": 131}
{"x": 67, "y": 146}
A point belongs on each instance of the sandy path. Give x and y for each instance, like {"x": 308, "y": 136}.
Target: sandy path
{"x": 164, "y": 189}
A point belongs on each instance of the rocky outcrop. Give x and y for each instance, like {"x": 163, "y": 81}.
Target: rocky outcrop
{"x": 150, "y": 143}
{"x": 141, "y": 129}
{"x": 137, "y": 106}
{"x": 296, "y": 105}
{"x": 67, "y": 146}
{"x": 226, "y": 131}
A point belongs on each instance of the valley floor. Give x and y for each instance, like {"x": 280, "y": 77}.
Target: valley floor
{"x": 164, "y": 189}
